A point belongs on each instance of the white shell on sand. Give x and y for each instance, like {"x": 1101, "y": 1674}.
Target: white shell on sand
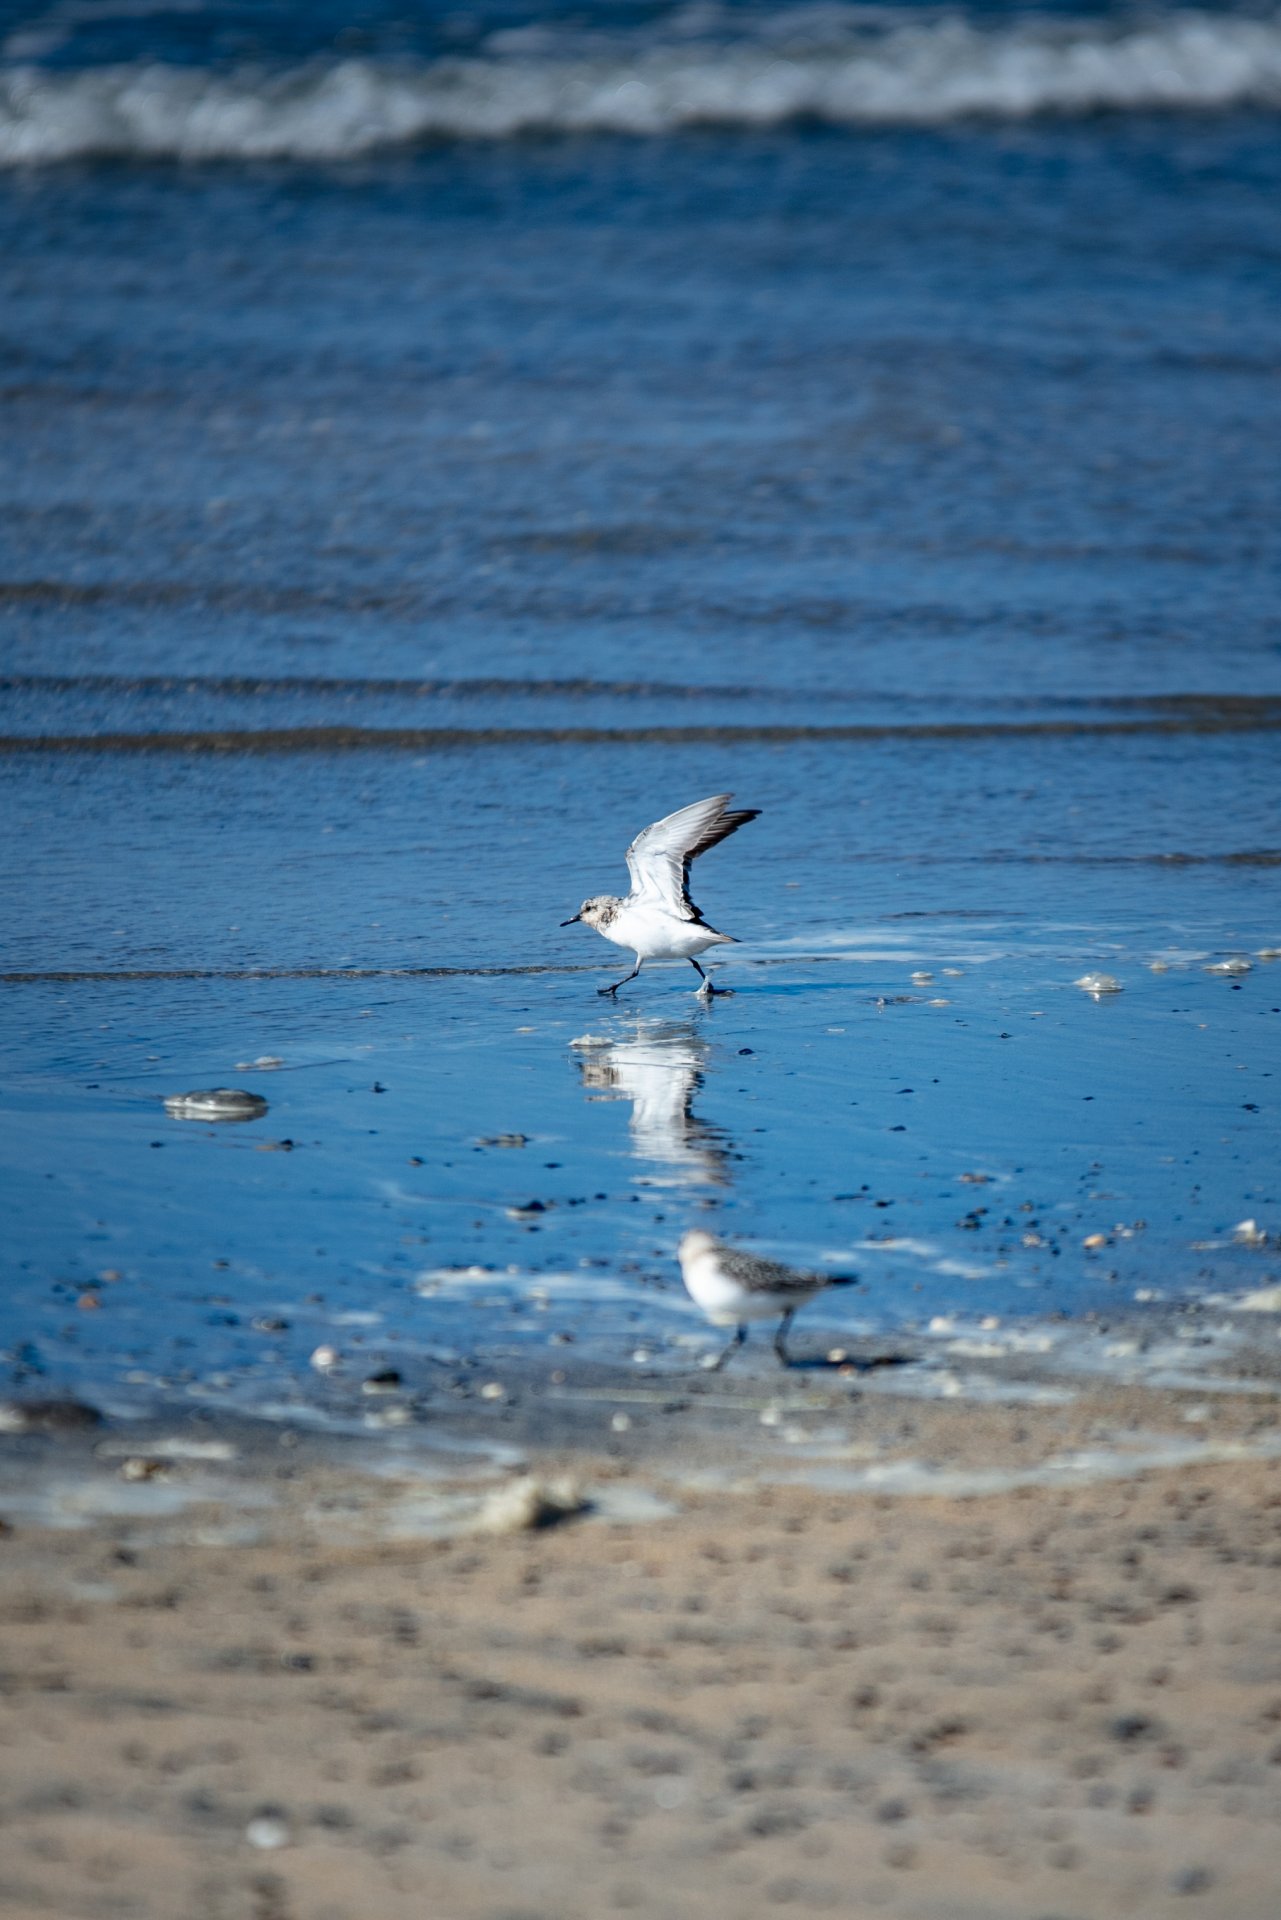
{"x": 1248, "y": 1233}
{"x": 1099, "y": 984}
{"x": 527, "y": 1503}
{"x": 1262, "y": 1300}
{"x": 216, "y": 1103}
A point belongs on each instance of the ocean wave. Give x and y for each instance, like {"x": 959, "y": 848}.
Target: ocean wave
{"x": 827, "y": 65}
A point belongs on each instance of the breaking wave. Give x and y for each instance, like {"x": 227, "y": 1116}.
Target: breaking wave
{"x": 827, "y": 64}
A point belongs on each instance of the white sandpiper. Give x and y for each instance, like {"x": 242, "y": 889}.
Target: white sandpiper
{"x": 658, "y": 920}
{"x": 733, "y": 1287}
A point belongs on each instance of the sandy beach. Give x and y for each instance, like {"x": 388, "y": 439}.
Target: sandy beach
{"x": 247, "y": 1675}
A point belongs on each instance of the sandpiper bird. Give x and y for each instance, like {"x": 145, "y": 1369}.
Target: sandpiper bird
{"x": 658, "y": 920}
{"x": 733, "y": 1287}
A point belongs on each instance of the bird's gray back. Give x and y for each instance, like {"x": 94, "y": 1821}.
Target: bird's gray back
{"x": 766, "y": 1276}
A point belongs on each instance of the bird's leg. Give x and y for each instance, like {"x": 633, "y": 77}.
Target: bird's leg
{"x": 707, "y": 987}
{"x": 740, "y": 1335}
{"x": 626, "y": 977}
{"x": 780, "y": 1338}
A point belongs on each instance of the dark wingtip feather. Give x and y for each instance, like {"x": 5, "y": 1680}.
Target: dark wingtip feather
{"x": 722, "y": 829}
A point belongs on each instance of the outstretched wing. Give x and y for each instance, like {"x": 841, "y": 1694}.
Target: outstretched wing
{"x": 659, "y": 859}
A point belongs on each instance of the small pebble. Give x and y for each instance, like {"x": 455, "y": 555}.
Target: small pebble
{"x": 1094, "y": 1241}
{"x": 324, "y": 1359}
{"x": 268, "y": 1831}
{"x": 387, "y": 1380}
{"x": 492, "y": 1390}
{"x": 621, "y": 1422}
{"x": 394, "y": 1416}
{"x": 138, "y": 1467}
{"x": 1193, "y": 1880}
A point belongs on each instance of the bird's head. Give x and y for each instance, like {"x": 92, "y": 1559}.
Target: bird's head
{"x": 596, "y": 912}
{"x": 695, "y": 1244}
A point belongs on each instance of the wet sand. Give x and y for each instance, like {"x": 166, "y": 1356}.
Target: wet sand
{"x": 743, "y": 1683}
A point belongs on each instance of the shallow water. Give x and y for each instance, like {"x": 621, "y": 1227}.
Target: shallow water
{"x": 393, "y": 541}
{"x": 828, "y": 1110}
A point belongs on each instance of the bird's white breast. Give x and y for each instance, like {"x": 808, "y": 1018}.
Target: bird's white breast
{"x": 724, "y": 1300}
{"x": 656, "y": 934}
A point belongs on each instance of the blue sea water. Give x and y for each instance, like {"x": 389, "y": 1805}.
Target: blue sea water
{"x": 435, "y": 445}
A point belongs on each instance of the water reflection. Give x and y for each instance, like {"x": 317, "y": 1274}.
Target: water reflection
{"x": 659, "y": 1068}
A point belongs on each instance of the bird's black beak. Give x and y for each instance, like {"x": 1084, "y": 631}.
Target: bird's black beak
{"x": 569, "y": 923}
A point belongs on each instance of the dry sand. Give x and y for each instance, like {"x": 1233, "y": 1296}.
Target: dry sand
{"x": 1052, "y": 1702}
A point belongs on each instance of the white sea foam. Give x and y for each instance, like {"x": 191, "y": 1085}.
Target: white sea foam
{"x": 1139, "y": 1453}
{"x": 828, "y": 64}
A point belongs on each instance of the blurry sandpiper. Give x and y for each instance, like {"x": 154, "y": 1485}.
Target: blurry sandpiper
{"x": 733, "y": 1287}
{"x": 658, "y": 920}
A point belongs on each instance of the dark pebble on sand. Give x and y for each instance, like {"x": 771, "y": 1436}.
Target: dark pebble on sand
{"x": 386, "y": 1380}
{"x": 47, "y": 1416}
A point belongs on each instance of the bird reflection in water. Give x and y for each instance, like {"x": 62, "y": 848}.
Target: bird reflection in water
{"x": 659, "y": 1068}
